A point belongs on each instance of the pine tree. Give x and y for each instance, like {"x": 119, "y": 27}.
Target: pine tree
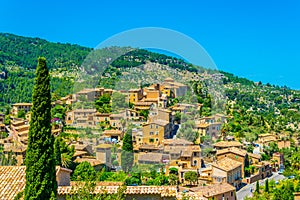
{"x": 127, "y": 152}
{"x": 40, "y": 161}
{"x": 267, "y": 186}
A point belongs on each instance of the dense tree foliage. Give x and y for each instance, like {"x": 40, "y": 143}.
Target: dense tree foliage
{"x": 191, "y": 176}
{"x": 277, "y": 191}
{"x": 40, "y": 160}
{"x": 63, "y": 152}
{"x": 127, "y": 151}
{"x": 103, "y": 104}
{"x": 118, "y": 102}
{"x": 84, "y": 172}
{"x": 24, "y": 51}
{"x": 57, "y": 152}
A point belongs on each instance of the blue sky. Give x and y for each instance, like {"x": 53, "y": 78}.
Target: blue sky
{"x": 254, "y": 39}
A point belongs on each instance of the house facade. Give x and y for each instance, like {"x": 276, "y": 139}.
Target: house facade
{"x": 20, "y": 106}
{"x": 227, "y": 170}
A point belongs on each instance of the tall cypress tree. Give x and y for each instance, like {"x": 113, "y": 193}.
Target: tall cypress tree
{"x": 40, "y": 161}
{"x": 127, "y": 152}
{"x": 57, "y": 152}
{"x": 257, "y": 187}
{"x": 267, "y": 186}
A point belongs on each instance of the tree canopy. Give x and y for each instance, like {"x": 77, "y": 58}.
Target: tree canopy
{"x": 40, "y": 161}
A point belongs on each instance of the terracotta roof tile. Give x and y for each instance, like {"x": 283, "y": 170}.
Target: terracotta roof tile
{"x": 257, "y": 156}
{"x": 202, "y": 125}
{"x": 227, "y": 164}
{"x": 109, "y": 132}
{"x": 160, "y": 122}
{"x": 164, "y": 191}
{"x": 179, "y": 142}
{"x": 79, "y": 153}
{"x": 228, "y": 144}
{"x": 213, "y": 190}
{"x": 153, "y": 157}
{"x": 233, "y": 150}
{"x": 12, "y": 180}
{"x": 92, "y": 161}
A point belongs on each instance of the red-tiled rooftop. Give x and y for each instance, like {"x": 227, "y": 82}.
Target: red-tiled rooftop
{"x": 164, "y": 191}
{"x": 13, "y": 180}
{"x": 179, "y": 142}
{"x": 228, "y": 144}
{"x": 227, "y": 164}
{"x": 233, "y": 150}
{"x": 213, "y": 190}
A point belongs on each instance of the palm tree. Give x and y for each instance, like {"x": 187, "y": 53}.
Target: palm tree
{"x": 295, "y": 161}
{"x": 65, "y": 160}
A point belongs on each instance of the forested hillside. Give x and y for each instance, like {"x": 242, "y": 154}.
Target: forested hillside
{"x": 256, "y": 107}
{"x": 24, "y": 51}
{"x": 18, "y": 58}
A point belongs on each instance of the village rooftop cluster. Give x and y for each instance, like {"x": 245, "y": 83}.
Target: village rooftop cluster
{"x": 154, "y": 134}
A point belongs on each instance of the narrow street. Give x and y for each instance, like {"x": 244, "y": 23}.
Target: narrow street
{"x": 245, "y": 191}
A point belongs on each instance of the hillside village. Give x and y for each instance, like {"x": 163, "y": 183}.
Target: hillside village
{"x": 221, "y": 164}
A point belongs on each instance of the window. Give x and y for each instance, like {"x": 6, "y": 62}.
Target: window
{"x": 151, "y": 132}
{"x": 156, "y": 132}
{"x": 151, "y": 140}
{"x": 156, "y": 126}
{"x": 231, "y": 193}
{"x": 151, "y": 126}
{"x": 156, "y": 139}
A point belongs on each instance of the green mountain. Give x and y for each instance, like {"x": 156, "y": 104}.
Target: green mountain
{"x": 24, "y": 51}
{"x": 18, "y": 59}
{"x": 257, "y": 107}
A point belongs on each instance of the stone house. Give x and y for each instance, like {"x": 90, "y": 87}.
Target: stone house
{"x": 236, "y": 154}
{"x": 18, "y": 106}
{"x": 227, "y": 170}
{"x": 154, "y": 132}
{"x": 80, "y": 118}
{"x": 103, "y": 154}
